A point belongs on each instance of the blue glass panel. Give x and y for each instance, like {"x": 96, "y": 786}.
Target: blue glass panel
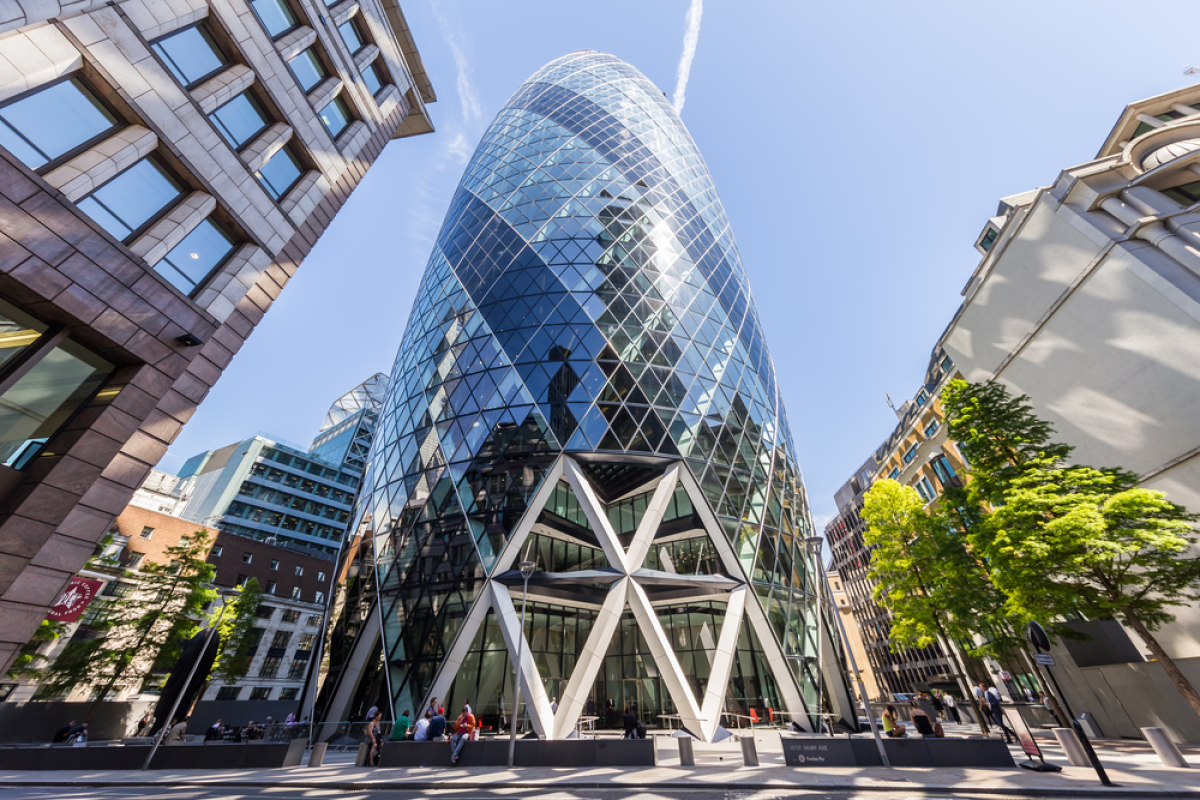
{"x": 240, "y": 120}
{"x": 275, "y": 15}
{"x": 351, "y": 35}
{"x": 133, "y": 198}
{"x": 308, "y": 69}
{"x": 44, "y": 125}
{"x": 335, "y": 116}
{"x": 373, "y": 78}
{"x": 280, "y": 173}
{"x": 190, "y": 262}
{"x": 190, "y": 54}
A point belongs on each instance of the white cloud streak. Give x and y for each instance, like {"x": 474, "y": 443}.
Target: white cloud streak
{"x": 691, "y": 36}
{"x": 471, "y": 110}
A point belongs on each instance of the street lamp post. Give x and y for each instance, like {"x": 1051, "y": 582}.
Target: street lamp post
{"x": 212, "y": 629}
{"x": 526, "y": 571}
{"x": 814, "y": 545}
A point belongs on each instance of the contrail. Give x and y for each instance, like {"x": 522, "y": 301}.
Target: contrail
{"x": 690, "y": 37}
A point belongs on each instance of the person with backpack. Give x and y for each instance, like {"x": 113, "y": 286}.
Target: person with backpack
{"x": 464, "y": 727}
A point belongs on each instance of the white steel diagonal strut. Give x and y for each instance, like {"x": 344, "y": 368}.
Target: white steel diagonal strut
{"x": 532, "y": 686}
{"x": 664, "y": 658}
{"x": 722, "y": 665}
{"x": 596, "y": 515}
{"x": 458, "y": 650}
{"x": 590, "y": 660}
{"x": 652, "y": 518}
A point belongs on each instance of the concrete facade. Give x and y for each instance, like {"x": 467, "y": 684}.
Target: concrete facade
{"x": 1087, "y": 299}
{"x": 87, "y": 287}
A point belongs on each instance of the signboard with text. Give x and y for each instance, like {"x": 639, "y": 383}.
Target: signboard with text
{"x": 1024, "y": 735}
{"x": 819, "y": 753}
{"x": 74, "y": 600}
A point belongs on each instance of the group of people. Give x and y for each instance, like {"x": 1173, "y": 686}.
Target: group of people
{"x": 946, "y": 708}
{"x": 892, "y": 726}
{"x": 72, "y": 733}
{"x": 430, "y": 727}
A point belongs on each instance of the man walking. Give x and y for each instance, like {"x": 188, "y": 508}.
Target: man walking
{"x": 464, "y": 726}
{"x": 992, "y": 695}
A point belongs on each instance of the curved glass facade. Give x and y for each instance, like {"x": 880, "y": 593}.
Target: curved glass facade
{"x": 584, "y": 384}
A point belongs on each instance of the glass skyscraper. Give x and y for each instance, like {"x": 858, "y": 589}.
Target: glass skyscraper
{"x": 584, "y": 385}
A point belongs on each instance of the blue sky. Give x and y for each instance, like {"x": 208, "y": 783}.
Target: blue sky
{"x": 858, "y": 147}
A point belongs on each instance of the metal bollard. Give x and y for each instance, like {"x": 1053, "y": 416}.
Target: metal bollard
{"x": 749, "y": 751}
{"x": 364, "y": 753}
{"x": 687, "y": 756}
{"x": 1072, "y": 747}
{"x": 317, "y": 757}
{"x": 1166, "y": 749}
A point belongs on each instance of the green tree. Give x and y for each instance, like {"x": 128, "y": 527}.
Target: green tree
{"x": 236, "y": 632}
{"x": 30, "y": 663}
{"x": 144, "y": 624}
{"x": 1062, "y": 539}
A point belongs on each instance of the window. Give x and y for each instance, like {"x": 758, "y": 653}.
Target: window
{"x": 118, "y": 589}
{"x": 1186, "y": 195}
{"x": 921, "y": 399}
{"x": 274, "y": 565}
{"x": 262, "y": 692}
{"x": 37, "y": 404}
{"x": 336, "y": 117}
{"x": 269, "y": 669}
{"x": 270, "y": 588}
{"x": 241, "y": 581}
{"x": 229, "y": 692}
{"x": 135, "y": 560}
{"x": 989, "y": 239}
{"x": 280, "y": 173}
{"x": 912, "y": 451}
{"x": 191, "y": 55}
{"x": 943, "y": 469}
{"x": 308, "y": 69}
{"x": 295, "y": 592}
{"x": 290, "y": 615}
{"x": 184, "y": 541}
{"x": 6, "y": 690}
{"x": 297, "y": 669}
{"x": 894, "y": 474}
{"x": 247, "y": 558}
{"x": 321, "y": 577}
{"x": 314, "y": 620}
{"x": 53, "y": 122}
{"x": 374, "y": 77}
{"x": 932, "y": 428}
{"x": 147, "y": 532}
{"x": 947, "y": 363}
{"x": 288, "y": 694}
{"x": 352, "y": 35}
{"x": 275, "y": 16}
{"x": 217, "y": 550}
{"x": 126, "y": 204}
{"x": 281, "y": 640}
{"x": 264, "y": 612}
{"x": 194, "y": 259}
{"x": 240, "y": 120}
{"x": 320, "y": 598}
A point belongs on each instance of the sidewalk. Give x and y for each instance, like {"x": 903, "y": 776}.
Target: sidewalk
{"x": 1131, "y": 765}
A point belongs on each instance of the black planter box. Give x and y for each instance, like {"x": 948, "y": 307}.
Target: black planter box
{"x": 265, "y": 755}
{"x": 815, "y": 752}
{"x": 529, "y": 753}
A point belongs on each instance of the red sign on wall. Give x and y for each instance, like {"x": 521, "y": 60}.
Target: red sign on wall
{"x": 75, "y": 598}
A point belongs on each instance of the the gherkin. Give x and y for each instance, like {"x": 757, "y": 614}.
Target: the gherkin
{"x": 584, "y": 384}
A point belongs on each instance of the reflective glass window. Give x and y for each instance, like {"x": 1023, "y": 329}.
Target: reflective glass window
{"x": 280, "y": 173}
{"x": 374, "y": 78}
{"x": 195, "y": 257}
{"x": 275, "y": 16}
{"x": 191, "y": 55}
{"x": 351, "y": 35}
{"x": 308, "y": 69}
{"x": 336, "y": 117}
{"x": 124, "y": 205}
{"x": 40, "y": 127}
{"x": 18, "y": 331}
{"x": 38, "y": 404}
{"x": 240, "y": 120}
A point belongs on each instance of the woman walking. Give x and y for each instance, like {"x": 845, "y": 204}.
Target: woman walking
{"x": 375, "y": 737}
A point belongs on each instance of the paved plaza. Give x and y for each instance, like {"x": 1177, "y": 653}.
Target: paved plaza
{"x": 1132, "y": 765}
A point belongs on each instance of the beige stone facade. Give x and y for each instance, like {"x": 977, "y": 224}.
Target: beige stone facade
{"x": 167, "y": 342}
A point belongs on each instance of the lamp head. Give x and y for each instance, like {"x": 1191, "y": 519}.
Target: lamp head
{"x": 527, "y": 568}
{"x": 814, "y": 544}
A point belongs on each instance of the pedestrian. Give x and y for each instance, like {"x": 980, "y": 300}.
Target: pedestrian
{"x": 952, "y": 708}
{"x": 78, "y": 734}
{"x": 437, "y": 726}
{"x": 60, "y": 735}
{"x": 144, "y": 724}
{"x": 421, "y": 732}
{"x": 630, "y": 722}
{"x": 291, "y": 719}
{"x": 610, "y": 712}
{"x": 891, "y": 723}
{"x": 464, "y": 726}
{"x": 992, "y": 696}
{"x": 553, "y": 705}
{"x": 938, "y": 706}
{"x": 175, "y": 735}
{"x": 920, "y": 719}
{"x": 215, "y": 732}
{"x": 1048, "y": 702}
{"x": 433, "y": 706}
{"x": 591, "y": 712}
{"x": 371, "y": 713}
{"x": 400, "y": 729}
{"x": 375, "y": 737}
{"x": 1029, "y": 698}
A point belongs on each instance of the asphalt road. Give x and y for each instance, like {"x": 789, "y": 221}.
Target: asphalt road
{"x": 283, "y": 793}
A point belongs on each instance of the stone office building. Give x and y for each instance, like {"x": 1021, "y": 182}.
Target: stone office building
{"x": 164, "y": 170}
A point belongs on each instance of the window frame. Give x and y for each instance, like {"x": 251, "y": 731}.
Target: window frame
{"x": 379, "y": 69}
{"x": 157, "y": 217}
{"x": 259, "y": 106}
{"x": 298, "y": 20}
{"x": 226, "y": 60}
{"x": 358, "y": 30}
{"x": 317, "y": 56}
{"x": 301, "y": 170}
{"x": 235, "y": 243}
{"x": 52, "y": 164}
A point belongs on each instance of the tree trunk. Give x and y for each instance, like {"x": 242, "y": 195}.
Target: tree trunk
{"x": 1181, "y": 682}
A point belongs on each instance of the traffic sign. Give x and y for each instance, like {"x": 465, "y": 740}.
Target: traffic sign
{"x": 1044, "y": 658}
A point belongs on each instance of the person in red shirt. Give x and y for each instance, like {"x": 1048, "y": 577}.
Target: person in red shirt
{"x": 464, "y": 726}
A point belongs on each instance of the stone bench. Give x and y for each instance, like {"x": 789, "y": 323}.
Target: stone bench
{"x": 529, "y": 753}
{"x": 255, "y": 755}
{"x": 810, "y": 752}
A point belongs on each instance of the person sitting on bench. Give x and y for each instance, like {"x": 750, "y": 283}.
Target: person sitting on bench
{"x": 920, "y": 719}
